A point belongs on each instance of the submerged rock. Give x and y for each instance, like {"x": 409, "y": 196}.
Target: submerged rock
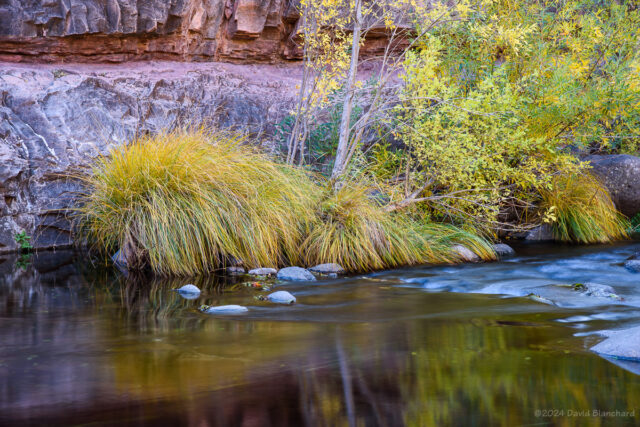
{"x": 466, "y": 254}
{"x": 263, "y": 271}
{"x": 574, "y": 295}
{"x": 223, "y": 309}
{"x": 503, "y": 250}
{"x": 596, "y": 290}
{"x": 328, "y": 269}
{"x": 295, "y": 274}
{"x": 281, "y": 297}
{"x": 622, "y": 344}
{"x": 189, "y": 289}
{"x": 633, "y": 265}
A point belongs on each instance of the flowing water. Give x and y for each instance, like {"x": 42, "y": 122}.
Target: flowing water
{"x": 454, "y": 345}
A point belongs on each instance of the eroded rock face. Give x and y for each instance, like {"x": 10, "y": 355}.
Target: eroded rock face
{"x": 179, "y": 30}
{"x": 120, "y": 30}
{"x": 620, "y": 174}
{"x": 54, "y": 121}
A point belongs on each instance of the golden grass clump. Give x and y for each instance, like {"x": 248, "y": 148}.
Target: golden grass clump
{"x": 189, "y": 200}
{"x": 353, "y": 231}
{"x": 581, "y": 210}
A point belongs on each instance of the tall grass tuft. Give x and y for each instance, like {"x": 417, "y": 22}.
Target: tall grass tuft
{"x": 186, "y": 202}
{"x": 582, "y": 211}
{"x": 190, "y": 200}
{"x": 353, "y": 231}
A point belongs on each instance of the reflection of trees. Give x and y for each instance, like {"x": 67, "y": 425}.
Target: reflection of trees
{"x": 494, "y": 375}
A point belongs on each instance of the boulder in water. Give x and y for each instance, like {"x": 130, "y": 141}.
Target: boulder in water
{"x": 281, "y": 297}
{"x": 633, "y": 265}
{"x": 465, "y": 254}
{"x": 223, "y": 309}
{"x": 235, "y": 271}
{"x": 328, "y": 269}
{"x": 189, "y": 289}
{"x": 295, "y": 274}
{"x": 622, "y": 344}
{"x": 541, "y": 233}
{"x": 262, "y": 271}
{"x": 503, "y": 250}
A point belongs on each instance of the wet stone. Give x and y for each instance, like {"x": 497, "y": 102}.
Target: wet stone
{"x": 295, "y": 274}
{"x": 223, "y": 309}
{"x": 263, "y": 271}
{"x": 503, "y": 250}
{"x": 281, "y": 297}
{"x": 331, "y": 268}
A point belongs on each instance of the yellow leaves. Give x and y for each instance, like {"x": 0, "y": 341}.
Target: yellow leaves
{"x": 549, "y": 216}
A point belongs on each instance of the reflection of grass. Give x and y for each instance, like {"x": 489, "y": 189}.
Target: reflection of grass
{"x": 24, "y": 261}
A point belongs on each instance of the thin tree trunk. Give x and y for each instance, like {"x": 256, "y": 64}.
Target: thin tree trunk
{"x": 342, "y": 152}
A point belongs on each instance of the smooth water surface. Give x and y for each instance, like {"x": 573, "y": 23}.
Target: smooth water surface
{"x": 452, "y": 345}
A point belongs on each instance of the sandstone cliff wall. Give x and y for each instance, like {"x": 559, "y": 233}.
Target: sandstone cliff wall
{"x": 122, "y": 30}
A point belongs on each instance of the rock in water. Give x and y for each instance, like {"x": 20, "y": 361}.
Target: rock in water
{"x": 633, "y": 265}
{"x": 465, "y": 254}
{"x": 331, "y": 268}
{"x": 189, "y": 289}
{"x": 620, "y": 174}
{"x": 281, "y": 297}
{"x": 235, "y": 271}
{"x": 541, "y": 233}
{"x": 623, "y": 344}
{"x": 223, "y": 309}
{"x": 263, "y": 271}
{"x": 503, "y": 250}
{"x": 295, "y": 274}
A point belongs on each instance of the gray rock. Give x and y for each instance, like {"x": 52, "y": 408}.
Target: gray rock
{"x": 224, "y": 309}
{"x": 540, "y": 233}
{"x": 465, "y": 254}
{"x": 328, "y": 269}
{"x": 503, "y": 250}
{"x": 235, "y": 271}
{"x": 573, "y": 295}
{"x": 595, "y": 290}
{"x": 120, "y": 261}
{"x": 620, "y": 174}
{"x": 281, "y": 297}
{"x": 188, "y": 289}
{"x": 263, "y": 272}
{"x": 621, "y": 344}
{"x": 52, "y": 125}
{"x": 633, "y": 265}
{"x": 295, "y": 274}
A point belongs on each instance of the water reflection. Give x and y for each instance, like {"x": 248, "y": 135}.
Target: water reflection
{"x": 81, "y": 344}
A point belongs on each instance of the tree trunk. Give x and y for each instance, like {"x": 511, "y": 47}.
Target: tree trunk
{"x": 342, "y": 152}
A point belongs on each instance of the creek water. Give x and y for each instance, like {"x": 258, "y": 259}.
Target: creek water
{"x": 450, "y": 345}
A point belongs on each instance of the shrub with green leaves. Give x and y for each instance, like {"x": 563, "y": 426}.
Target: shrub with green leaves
{"x": 495, "y": 104}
